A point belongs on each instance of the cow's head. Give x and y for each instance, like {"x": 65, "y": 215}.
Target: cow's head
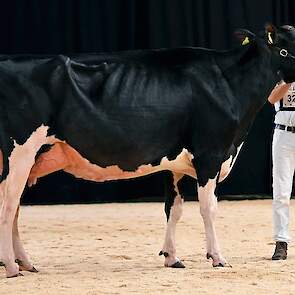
{"x": 280, "y": 42}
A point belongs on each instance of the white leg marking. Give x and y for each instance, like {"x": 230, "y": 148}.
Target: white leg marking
{"x": 20, "y": 162}
{"x": 18, "y": 248}
{"x": 175, "y": 214}
{"x": 208, "y": 210}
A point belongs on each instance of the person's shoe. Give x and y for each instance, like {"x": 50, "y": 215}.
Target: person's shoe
{"x": 280, "y": 251}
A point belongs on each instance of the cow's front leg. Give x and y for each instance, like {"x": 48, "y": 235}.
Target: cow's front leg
{"x": 208, "y": 210}
{"x": 21, "y": 257}
{"x": 173, "y": 210}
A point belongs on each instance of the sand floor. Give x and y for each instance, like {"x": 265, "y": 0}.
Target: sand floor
{"x": 113, "y": 249}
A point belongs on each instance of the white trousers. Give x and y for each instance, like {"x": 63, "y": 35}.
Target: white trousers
{"x": 283, "y": 154}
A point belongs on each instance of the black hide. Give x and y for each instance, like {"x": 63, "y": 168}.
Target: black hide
{"x": 133, "y": 108}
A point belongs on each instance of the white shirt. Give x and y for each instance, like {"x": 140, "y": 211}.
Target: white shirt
{"x": 286, "y": 117}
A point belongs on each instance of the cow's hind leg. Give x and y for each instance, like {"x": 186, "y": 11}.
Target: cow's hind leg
{"x": 20, "y": 162}
{"x": 21, "y": 257}
{"x": 173, "y": 210}
{"x": 208, "y": 210}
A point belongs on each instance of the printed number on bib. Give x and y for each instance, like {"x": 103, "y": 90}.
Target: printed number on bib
{"x": 289, "y": 99}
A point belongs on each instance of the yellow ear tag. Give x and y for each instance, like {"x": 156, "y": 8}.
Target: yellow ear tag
{"x": 270, "y": 41}
{"x": 246, "y": 41}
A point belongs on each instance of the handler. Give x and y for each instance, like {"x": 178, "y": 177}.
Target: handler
{"x": 283, "y": 156}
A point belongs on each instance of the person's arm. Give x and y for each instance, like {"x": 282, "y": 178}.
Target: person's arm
{"x": 278, "y": 92}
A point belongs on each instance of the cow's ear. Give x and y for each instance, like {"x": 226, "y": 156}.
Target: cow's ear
{"x": 271, "y": 33}
{"x": 244, "y": 36}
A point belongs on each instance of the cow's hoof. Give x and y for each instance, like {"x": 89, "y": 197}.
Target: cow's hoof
{"x": 222, "y": 264}
{"x": 219, "y": 265}
{"x": 14, "y": 276}
{"x": 178, "y": 264}
{"x": 23, "y": 268}
{"x": 218, "y": 262}
{"x": 33, "y": 269}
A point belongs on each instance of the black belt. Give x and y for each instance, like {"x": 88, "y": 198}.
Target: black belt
{"x": 286, "y": 128}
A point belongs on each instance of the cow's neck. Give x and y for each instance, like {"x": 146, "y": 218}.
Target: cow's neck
{"x": 251, "y": 77}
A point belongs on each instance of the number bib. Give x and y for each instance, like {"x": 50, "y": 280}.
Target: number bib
{"x": 288, "y": 100}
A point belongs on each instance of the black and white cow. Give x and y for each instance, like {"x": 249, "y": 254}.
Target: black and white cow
{"x": 124, "y": 115}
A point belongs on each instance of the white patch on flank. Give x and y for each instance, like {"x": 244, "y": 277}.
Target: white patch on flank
{"x": 64, "y": 157}
{"x": 228, "y": 165}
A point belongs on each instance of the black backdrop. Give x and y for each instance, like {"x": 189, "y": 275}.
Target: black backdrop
{"x": 73, "y": 26}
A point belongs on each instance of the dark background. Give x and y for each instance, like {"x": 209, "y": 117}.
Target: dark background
{"x": 73, "y": 26}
